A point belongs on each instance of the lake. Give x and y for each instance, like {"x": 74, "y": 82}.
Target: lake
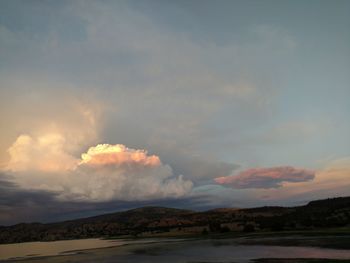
{"x": 157, "y": 250}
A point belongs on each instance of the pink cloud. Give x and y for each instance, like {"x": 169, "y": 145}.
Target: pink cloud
{"x": 266, "y": 177}
{"x": 119, "y": 154}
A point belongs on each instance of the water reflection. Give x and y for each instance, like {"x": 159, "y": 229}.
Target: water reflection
{"x": 161, "y": 250}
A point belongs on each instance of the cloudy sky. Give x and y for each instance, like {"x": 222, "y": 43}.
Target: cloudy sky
{"x": 109, "y": 105}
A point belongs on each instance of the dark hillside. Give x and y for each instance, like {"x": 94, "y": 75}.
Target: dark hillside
{"x": 151, "y": 221}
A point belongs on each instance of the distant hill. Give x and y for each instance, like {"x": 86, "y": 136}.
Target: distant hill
{"x": 157, "y": 221}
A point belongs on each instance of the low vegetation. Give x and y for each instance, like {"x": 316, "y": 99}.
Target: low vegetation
{"x": 322, "y": 215}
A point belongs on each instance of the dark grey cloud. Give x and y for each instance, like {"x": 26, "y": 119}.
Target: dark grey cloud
{"x": 17, "y": 205}
{"x": 20, "y": 205}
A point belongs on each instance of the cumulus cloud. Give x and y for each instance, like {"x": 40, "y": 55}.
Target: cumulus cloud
{"x": 118, "y": 172}
{"x": 119, "y": 154}
{"x": 266, "y": 177}
{"x": 105, "y": 172}
{"x": 45, "y": 153}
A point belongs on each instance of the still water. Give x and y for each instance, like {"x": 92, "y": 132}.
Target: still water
{"x": 158, "y": 250}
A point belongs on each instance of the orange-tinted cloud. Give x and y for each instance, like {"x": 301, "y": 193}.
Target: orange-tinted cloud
{"x": 106, "y": 154}
{"x": 44, "y": 153}
{"x": 266, "y": 177}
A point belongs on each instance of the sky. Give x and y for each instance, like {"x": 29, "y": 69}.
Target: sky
{"x": 111, "y": 105}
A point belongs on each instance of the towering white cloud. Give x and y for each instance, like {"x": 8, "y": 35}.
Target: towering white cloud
{"x": 118, "y": 172}
{"x": 104, "y": 172}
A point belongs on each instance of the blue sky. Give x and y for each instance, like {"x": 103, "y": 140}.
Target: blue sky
{"x": 212, "y": 88}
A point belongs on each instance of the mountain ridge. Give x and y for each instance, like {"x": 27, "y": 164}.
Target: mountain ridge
{"x": 157, "y": 220}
